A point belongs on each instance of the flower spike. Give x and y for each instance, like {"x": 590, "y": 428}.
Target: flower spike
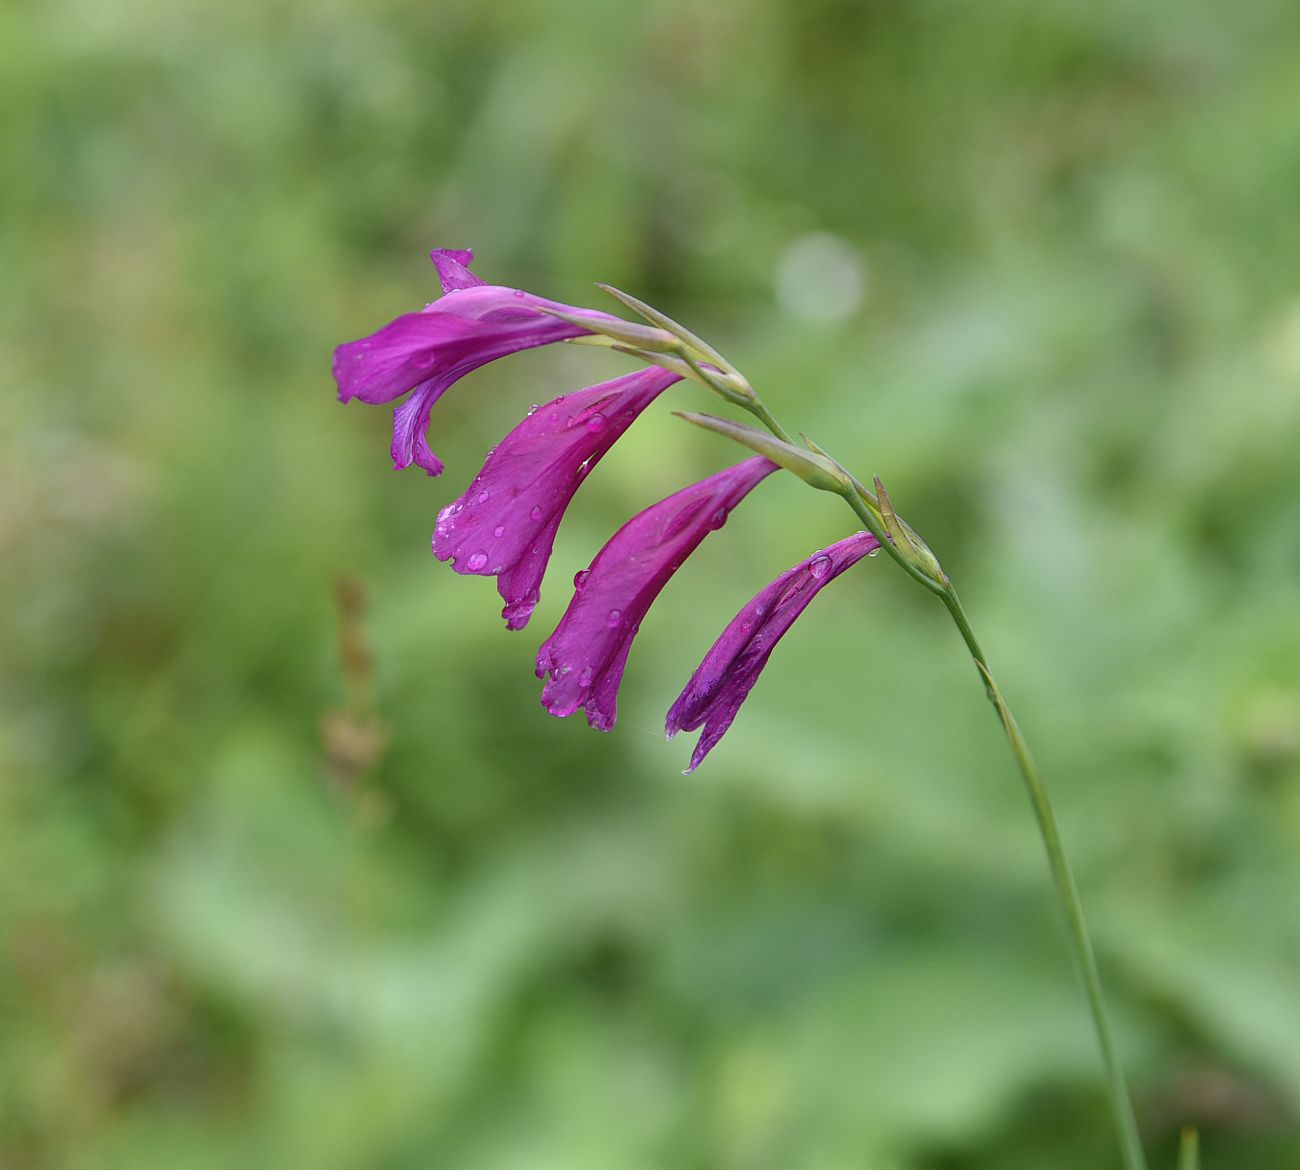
{"x": 504, "y": 525}
{"x": 730, "y": 669}
{"x": 586, "y": 655}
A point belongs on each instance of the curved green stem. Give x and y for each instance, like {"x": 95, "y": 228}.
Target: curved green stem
{"x": 1067, "y": 893}
{"x": 760, "y": 412}
{"x": 1067, "y": 896}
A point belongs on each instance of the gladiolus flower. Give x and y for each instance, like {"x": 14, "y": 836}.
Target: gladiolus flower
{"x": 586, "y": 655}
{"x": 730, "y": 669}
{"x": 504, "y": 525}
{"x": 470, "y": 325}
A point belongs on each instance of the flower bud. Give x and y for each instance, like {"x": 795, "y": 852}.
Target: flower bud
{"x": 814, "y": 469}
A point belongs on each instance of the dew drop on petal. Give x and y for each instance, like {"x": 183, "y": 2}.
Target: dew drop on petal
{"x": 718, "y": 519}
{"x": 483, "y": 496}
{"x": 584, "y": 679}
{"x": 596, "y": 423}
{"x": 873, "y": 552}
{"x": 820, "y": 566}
{"x": 615, "y": 616}
{"x": 520, "y": 292}
{"x": 476, "y": 561}
{"x": 580, "y": 578}
{"x": 533, "y": 409}
{"x": 444, "y": 515}
{"x": 536, "y": 513}
{"x": 499, "y": 530}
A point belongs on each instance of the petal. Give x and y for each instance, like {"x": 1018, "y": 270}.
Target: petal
{"x": 505, "y": 523}
{"x": 408, "y": 350}
{"x": 471, "y": 325}
{"x": 466, "y": 328}
{"x": 410, "y": 421}
{"x": 453, "y": 268}
{"x": 730, "y": 669}
{"x": 586, "y": 654}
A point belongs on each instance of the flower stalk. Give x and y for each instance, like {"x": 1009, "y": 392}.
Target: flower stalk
{"x": 900, "y": 541}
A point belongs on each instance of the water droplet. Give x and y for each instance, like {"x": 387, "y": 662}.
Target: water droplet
{"x": 820, "y": 566}
{"x": 520, "y": 292}
{"x": 596, "y": 423}
{"x": 483, "y": 496}
{"x": 476, "y": 562}
{"x": 532, "y": 410}
{"x": 580, "y": 578}
{"x": 444, "y": 515}
{"x": 499, "y": 530}
{"x": 584, "y": 679}
{"x": 873, "y": 552}
{"x": 536, "y": 513}
{"x": 718, "y": 519}
{"x": 615, "y": 616}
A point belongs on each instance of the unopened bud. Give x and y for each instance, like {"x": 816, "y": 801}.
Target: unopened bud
{"x": 618, "y": 332}
{"x": 815, "y": 470}
{"x": 702, "y": 348}
{"x": 905, "y": 539}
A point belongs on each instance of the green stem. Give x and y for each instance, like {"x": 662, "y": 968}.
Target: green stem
{"x": 1067, "y": 895}
{"x": 760, "y": 411}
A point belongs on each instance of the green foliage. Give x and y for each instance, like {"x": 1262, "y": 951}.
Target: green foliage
{"x": 511, "y": 943}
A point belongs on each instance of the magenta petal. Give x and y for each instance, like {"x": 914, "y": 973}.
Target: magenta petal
{"x": 410, "y": 421}
{"x": 504, "y": 525}
{"x": 586, "y": 654}
{"x": 459, "y": 332}
{"x": 453, "y": 268}
{"x": 731, "y": 668}
{"x": 472, "y": 324}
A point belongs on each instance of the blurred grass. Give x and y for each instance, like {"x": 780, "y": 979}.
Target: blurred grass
{"x": 1035, "y": 266}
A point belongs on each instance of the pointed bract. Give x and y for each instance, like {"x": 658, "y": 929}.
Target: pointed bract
{"x": 730, "y": 669}
{"x": 471, "y": 325}
{"x": 585, "y": 656}
{"x": 504, "y": 525}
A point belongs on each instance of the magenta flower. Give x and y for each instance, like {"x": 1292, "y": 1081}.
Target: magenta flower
{"x": 586, "y": 655}
{"x": 731, "y": 668}
{"x": 504, "y": 525}
{"x": 470, "y": 325}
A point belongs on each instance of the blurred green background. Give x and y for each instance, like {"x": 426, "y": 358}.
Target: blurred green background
{"x": 1038, "y": 266}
